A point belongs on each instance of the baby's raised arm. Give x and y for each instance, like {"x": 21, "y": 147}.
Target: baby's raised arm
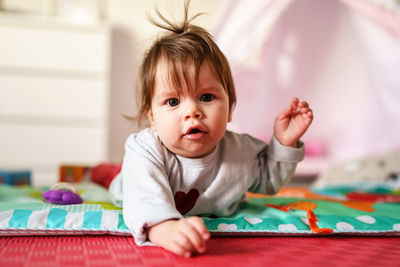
{"x": 293, "y": 122}
{"x": 182, "y": 237}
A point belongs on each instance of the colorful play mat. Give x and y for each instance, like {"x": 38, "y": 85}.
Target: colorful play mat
{"x": 360, "y": 208}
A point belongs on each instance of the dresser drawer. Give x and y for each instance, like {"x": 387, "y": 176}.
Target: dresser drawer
{"x": 57, "y": 49}
{"x": 32, "y": 145}
{"x": 36, "y": 96}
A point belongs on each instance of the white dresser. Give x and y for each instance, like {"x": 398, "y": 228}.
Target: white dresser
{"x": 54, "y": 95}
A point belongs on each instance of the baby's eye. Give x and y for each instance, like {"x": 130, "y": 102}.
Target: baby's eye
{"x": 206, "y": 97}
{"x": 172, "y": 102}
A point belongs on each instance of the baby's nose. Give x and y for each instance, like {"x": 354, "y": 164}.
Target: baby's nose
{"x": 192, "y": 111}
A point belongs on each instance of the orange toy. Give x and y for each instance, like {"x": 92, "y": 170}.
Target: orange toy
{"x": 74, "y": 173}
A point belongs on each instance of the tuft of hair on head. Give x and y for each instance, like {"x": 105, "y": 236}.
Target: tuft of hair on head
{"x": 168, "y": 25}
{"x": 184, "y": 43}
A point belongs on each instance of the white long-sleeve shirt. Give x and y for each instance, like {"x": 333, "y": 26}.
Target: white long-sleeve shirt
{"x": 157, "y": 185}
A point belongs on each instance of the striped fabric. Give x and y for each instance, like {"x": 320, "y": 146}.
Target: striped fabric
{"x": 24, "y": 211}
{"x": 56, "y": 219}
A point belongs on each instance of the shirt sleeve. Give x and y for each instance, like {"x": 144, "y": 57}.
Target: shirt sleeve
{"x": 275, "y": 166}
{"x": 147, "y": 195}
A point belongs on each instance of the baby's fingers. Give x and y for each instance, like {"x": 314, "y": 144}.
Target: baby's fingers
{"x": 196, "y": 233}
{"x": 308, "y": 116}
{"x": 286, "y": 112}
{"x": 199, "y": 225}
{"x": 306, "y": 111}
{"x": 303, "y": 104}
{"x": 181, "y": 246}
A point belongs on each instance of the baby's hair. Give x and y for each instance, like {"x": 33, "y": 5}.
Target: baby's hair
{"x": 183, "y": 43}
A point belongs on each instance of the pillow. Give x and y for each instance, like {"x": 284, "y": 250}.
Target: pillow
{"x": 373, "y": 168}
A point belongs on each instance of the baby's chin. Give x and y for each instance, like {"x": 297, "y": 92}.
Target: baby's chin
{"x": 193, "y": 154}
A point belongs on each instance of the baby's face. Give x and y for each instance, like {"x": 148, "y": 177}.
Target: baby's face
{"x": 192, "y": 122}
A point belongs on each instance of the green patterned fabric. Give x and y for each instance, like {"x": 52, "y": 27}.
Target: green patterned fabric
{"x": 351, "y": 209}
{"x": 348, "y": 209}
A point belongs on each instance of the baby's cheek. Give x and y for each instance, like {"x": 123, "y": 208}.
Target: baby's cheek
{"x": 170, "y": 134}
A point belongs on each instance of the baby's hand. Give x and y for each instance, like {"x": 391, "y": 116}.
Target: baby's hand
{"x": 182, "y": 237}
{"x": 293, "y": 122}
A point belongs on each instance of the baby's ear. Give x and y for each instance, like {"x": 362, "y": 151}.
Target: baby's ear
{"x": 151, "y": 119}
{"x": 230, "y": 116}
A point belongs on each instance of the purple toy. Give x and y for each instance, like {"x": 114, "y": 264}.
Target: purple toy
{"x": 62, "y": 193}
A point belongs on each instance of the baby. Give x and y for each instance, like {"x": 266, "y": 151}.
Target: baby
{"x": 187, "y": 163}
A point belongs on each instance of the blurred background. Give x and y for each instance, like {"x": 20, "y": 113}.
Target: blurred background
{"x": 68, "y": 71}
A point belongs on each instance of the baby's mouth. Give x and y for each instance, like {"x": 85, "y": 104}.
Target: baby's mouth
{"x": 195, "y": 133}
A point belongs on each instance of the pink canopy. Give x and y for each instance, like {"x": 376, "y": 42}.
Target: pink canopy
{"x": 343, "y": 57}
